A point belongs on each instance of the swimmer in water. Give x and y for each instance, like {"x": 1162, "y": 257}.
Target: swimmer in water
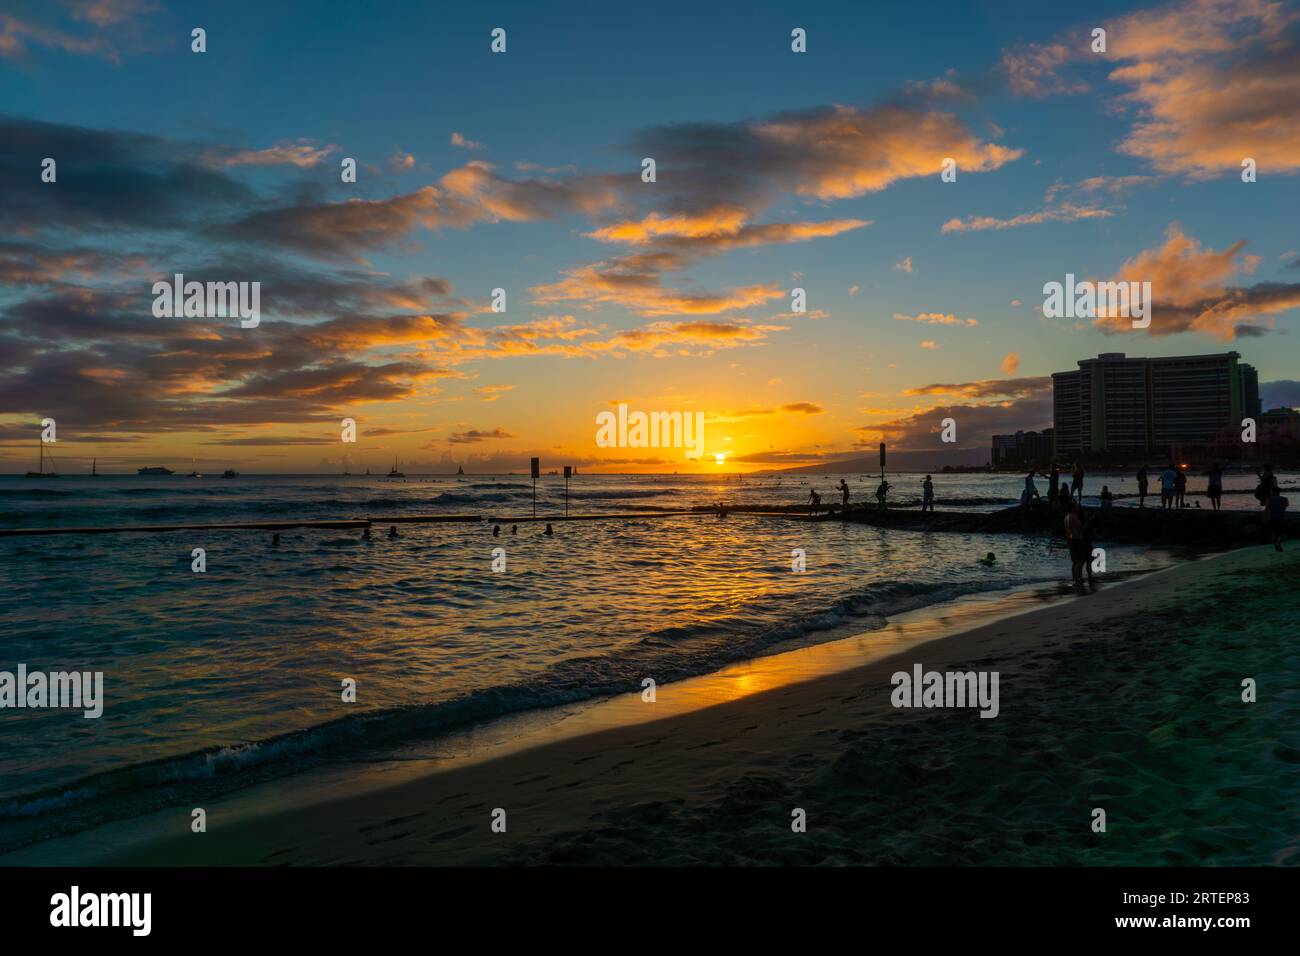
{"x": 989, "y": 560}
{"x": 496, "y": 531}
{"x": 392, "y": 532}
{"x": 549, "y": 531}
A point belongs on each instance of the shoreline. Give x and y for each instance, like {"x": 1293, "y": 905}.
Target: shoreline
{"x": 433, "y": 817}
{"x": 513, "y": 732}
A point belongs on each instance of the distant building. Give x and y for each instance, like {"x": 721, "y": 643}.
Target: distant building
{"x": 1250, "y": 392}
{"x": 1022, "y": 448}
{"x": 1280, "y": 418}
{"x": 1117, "y": 404}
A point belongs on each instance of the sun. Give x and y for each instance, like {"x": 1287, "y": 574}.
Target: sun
{"x": 720, "y": 458}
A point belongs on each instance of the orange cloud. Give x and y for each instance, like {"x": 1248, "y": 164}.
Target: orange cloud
{"x": 1213, "y": 81}
{"x": 527, "y": 200}
{"x": 634, "y": 283}
{"x": 718, "y": 229}
{"x": 988, "y": 388}
{"x": 846, "y": 152}
{"x": 1189, "y": 290}
{"x": 1210, "y": 82}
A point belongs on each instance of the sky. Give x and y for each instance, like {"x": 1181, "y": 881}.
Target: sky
{"x": 522, "y": 170}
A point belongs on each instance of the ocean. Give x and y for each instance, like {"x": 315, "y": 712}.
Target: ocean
{"x": 219, "y": 679}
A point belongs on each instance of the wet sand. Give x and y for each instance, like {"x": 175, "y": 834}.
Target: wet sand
{"x": 1128, "y": 699}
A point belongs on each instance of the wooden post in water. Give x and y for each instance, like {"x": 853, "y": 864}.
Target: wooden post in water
{"x": 568, "y": 470}
{"x": 882, "y": 461}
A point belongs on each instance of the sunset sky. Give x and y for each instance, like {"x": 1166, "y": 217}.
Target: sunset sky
{"x": 522, "y": 171}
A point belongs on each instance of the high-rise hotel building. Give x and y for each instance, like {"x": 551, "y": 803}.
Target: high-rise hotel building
{"x": 1114, "y": 403}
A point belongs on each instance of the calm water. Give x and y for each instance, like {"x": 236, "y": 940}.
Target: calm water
{"x": 213, "y": 678}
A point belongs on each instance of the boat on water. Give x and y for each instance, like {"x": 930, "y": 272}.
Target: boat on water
{"x": 395, "y": 473}
{"x": 230, "y": 473}
{"x": 42, "y": 473}
{"x": 194, "y": 471}
{"x": 460, "y": 470}
{"x": 155, "y": 470}
{"x": 94, "y": 468}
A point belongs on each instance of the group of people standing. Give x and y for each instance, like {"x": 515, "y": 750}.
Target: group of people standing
{"x": 815, "y": 499}
{"x": 1058, "y": 493}
{"x": 1173, "y": 486}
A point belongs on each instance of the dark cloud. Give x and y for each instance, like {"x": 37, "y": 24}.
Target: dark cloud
{"x": 107, "y": 180}
{"x": 475, "y": 435}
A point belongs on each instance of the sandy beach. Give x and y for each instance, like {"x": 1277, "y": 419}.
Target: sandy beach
{"x": 1128, "y": 699}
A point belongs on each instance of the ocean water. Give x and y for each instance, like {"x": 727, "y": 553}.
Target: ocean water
{"x": 219, "y": 679}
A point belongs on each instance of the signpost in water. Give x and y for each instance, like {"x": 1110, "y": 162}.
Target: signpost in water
{"x": 537, "y": 470}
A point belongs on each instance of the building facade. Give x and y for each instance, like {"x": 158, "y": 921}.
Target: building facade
{"x": 1031, "y": 449}
{"x": 1116, "y": 404}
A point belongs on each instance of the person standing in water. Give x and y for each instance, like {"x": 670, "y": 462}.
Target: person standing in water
{"x": 844, "y": 495}
{"x": 814, "y": 501}
{"x": 1267, "y": 485}
{"x": 1030, "y": 493}
{"x": 1089, "y": 523}
{"x": 1142, "y": 487}
{"x": 1076, "y": 481}
{"x": 1168, "y": 483}
{"x": 1074, "y": 537}
{"x": 1053, "y": 482}
{"x": 1214, "y": 490}
{"x": 1180, "y": 488}
{"x": 881, "y": 490}
{"x": 927, "y": 494}
{"x": 1275, "y": 512}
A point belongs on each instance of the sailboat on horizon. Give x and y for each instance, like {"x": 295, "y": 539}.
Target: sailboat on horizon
{"x": 194, "y": 471}
{"x": 395, "y": 473}
{"x": 42, "y": 473}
